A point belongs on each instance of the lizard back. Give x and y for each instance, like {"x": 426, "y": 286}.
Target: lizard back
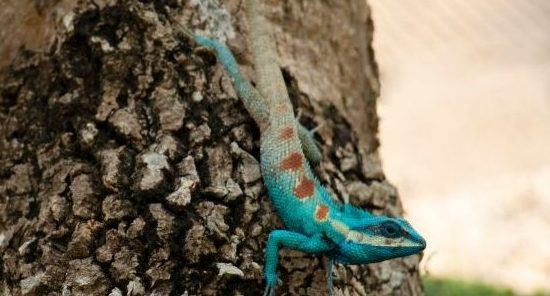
{"x": 294, "y": 190}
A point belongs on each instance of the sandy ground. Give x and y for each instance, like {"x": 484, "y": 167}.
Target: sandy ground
{"x": 465, "y": 132}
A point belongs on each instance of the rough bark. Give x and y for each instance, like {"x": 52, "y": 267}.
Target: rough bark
{"x": 128, "y": 166}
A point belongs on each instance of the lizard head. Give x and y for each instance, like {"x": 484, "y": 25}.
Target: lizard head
{"x": 369, "y": 238}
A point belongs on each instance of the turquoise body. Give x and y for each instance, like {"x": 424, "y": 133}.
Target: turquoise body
{"x": 315, "y": 223}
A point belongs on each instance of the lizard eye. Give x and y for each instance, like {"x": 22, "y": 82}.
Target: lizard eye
{"x": 390, "y": 229}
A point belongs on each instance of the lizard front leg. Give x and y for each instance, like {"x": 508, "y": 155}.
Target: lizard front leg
{"x": 292, "y": 240}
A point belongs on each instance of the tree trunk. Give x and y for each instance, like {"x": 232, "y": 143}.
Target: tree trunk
{"x": 128, "y": 166}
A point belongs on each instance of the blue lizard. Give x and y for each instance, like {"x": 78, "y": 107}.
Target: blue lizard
{"x": 315, "y": 223}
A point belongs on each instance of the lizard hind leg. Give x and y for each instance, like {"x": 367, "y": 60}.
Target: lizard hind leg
{"x": 309, "y": 145}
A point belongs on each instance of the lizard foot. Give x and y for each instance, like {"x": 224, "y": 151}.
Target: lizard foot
{"x": 309, "y": 144}
{"x": 271, "y": 282}
{"x": 269, "y": 291}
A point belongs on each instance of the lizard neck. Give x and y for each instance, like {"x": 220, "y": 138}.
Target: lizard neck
{"x": 336, "y": 229}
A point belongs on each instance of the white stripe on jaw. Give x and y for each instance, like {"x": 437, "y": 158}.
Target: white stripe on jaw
{"x": 378, "y": 241}
{"x": 340, "y": 227}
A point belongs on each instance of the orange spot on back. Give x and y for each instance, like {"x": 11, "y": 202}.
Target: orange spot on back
{"x": 292, "y": 162}
{"x": 286, "y": 133}
{"x": 321, "y": 213}
{"x": 304, "y": 189}
{"x": 282, "y": 108}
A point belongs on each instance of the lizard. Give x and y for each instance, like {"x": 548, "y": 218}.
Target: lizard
{"x": 315, "y": 222}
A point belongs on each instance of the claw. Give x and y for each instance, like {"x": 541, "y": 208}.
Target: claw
{"x": 271, "y": 282}
{"x": 312, "y": 131}
{"x": 298, "y": 114}
{"x": 269, "y": 291}
{"x": 318, "y": 127}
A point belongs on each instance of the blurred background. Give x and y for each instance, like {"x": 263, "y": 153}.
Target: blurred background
{"x": 465, "y": 133}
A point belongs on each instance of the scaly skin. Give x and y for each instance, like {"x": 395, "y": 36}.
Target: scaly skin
{"x": 315, "y": 223}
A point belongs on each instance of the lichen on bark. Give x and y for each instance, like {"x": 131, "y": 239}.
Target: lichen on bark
{"x": 128, "y": 166}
